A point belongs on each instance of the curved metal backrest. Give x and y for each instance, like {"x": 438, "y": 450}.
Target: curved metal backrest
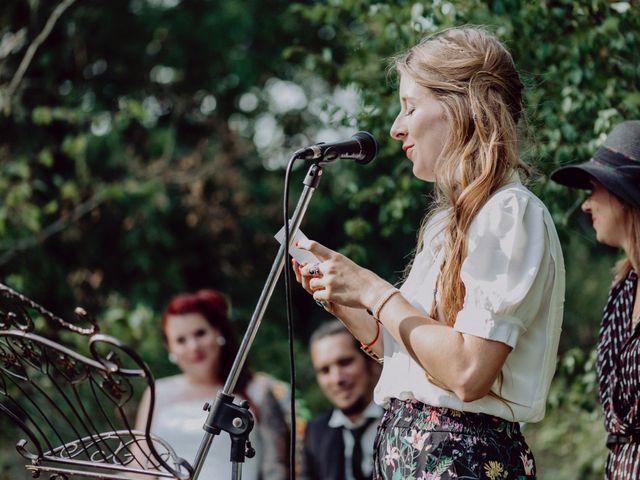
{"x": 76, "y": 409}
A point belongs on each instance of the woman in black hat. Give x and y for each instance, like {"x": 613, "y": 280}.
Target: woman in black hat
{"x": 613, "y": 176}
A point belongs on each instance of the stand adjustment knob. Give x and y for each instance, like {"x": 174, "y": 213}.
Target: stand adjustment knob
{"x": 206, "y": 407}
{"x": 250, "y": 451}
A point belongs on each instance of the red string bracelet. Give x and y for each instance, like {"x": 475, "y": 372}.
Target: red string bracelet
{"x": 367, "y": 346}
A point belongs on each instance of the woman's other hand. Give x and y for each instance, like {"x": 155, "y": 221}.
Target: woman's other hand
{"x": 335, "y": 279}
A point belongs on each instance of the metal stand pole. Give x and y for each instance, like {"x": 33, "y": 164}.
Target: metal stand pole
{"x": 217, "y": 421}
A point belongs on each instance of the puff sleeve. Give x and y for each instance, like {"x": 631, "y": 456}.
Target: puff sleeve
{"x": 506, "y": 251}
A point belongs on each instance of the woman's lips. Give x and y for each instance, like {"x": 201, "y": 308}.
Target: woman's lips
{"x": 407, "y": 149}
{"x": 198, "y": 358}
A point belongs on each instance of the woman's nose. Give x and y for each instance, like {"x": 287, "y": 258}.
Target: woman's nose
{"x": 398, "y": 130}
{"x": 586, "y": 205}
{"x": 192, "y": 343}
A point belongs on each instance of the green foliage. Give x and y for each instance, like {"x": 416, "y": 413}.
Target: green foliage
{"x": 142, "y": 155}
{"x": 570, "y": 442}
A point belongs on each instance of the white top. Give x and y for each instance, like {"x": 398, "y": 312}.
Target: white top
{"x": 179, "y": 421}
{"x": 340, "y": 420}
{"x": 514, "y": 280}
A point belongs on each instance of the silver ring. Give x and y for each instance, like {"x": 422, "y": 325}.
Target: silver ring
{"x": 322, "y": 303}
{"x": 314, "y": 269}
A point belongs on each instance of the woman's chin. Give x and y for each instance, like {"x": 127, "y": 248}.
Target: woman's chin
{"x": 422, "y": 175}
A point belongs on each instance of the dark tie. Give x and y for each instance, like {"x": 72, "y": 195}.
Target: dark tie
{"x": 356, "y": 454}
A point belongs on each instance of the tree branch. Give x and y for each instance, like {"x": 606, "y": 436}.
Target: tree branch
{"x": 55, "y": 227}
{"x": 31, "y": 51}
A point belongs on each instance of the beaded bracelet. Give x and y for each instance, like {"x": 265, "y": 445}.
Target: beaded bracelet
{"x": 382, "y": 301}
{"x": 372, "y": 354}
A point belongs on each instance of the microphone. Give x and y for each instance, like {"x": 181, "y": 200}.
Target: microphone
{"x": 362, "y": 148}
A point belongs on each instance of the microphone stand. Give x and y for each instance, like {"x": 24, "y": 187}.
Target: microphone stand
{"x": 237, "y": 420}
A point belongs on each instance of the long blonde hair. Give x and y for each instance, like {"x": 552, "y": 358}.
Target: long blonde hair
{"x": 473, "y": 76}
{"x": 632, "y": 224}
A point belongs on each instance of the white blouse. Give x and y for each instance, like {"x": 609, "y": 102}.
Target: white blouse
{"x": 514, "y": 281}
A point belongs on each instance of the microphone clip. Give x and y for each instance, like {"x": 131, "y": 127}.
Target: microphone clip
{"x": 312, "y": 152}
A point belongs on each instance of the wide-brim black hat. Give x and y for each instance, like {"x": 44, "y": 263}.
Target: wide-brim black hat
{"x": 616, "y": 165}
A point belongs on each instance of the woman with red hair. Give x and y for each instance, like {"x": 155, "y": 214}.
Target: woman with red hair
{"x": 200, "y": 340}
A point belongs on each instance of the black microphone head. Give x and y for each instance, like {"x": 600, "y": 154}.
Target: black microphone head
{"x": 361, "y": 147}
{"x": 368, "y": 147}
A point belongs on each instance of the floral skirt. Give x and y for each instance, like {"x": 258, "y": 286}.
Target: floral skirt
{"x": 421, "y": 442}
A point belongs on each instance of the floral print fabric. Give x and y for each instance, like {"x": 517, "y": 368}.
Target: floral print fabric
{"x": 420, "y": 442}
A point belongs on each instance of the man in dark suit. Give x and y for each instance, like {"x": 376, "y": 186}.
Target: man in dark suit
{"x": 338, "y": 445}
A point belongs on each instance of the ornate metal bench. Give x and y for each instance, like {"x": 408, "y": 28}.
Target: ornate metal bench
{"x": 75, "y": 403}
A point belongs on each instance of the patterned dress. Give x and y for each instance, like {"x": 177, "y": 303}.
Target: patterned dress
{"x": 618, "y": 361}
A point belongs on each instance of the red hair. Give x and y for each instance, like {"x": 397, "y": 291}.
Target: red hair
{"x": 214, "y": 307}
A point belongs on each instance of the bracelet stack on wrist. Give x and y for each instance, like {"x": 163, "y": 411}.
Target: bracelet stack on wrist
{"x": 375, "y": 312}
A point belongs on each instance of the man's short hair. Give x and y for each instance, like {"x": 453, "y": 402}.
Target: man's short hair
{"x": 331, "y": 328}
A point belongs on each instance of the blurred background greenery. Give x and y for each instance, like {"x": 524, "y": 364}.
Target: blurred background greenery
{"x": 142, "y": 146}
